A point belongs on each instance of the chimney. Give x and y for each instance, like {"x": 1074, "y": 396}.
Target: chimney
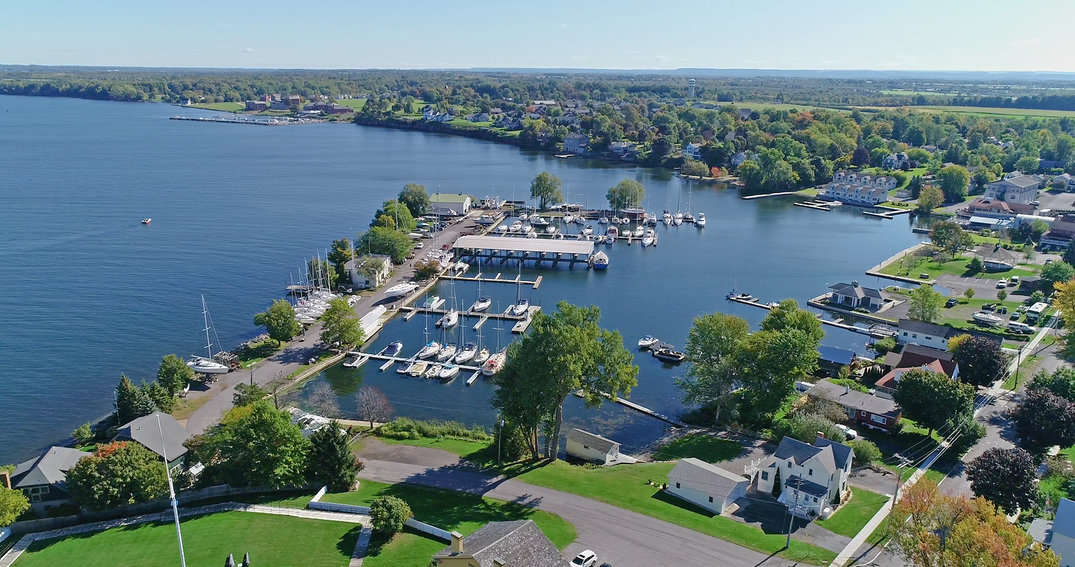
{"x": 457, "y": 542}
{"x": 5, "y": 479}
{"x": 847, "y": 388}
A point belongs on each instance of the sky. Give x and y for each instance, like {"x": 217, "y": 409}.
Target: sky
{"x": 972, "y": 35}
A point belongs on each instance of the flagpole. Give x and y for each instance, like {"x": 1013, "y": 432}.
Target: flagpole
{"x": 171, "y": 495}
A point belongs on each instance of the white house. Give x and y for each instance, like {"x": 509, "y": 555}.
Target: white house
{"x": 591, "y": 447}
{"x": 576, "y": 143}
{"x": 1062, "y": 538}
{"x": 812, "y": 478}
{"x": 912, "y": 332}
{"x": 857, "y": 189}
{"x": 1017, "y": 188}
{"x": 449, "y": 204}
{"x": 706, "y": 486}
{"x": 692, "y": 150}
{"x": 361, "y": 275}
{"x": 895, "y": 161}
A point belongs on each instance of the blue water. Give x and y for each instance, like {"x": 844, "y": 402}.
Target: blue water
{"x": 91, "y": 293}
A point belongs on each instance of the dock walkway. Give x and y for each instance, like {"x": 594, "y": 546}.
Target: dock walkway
{"x": 839, "y": 324}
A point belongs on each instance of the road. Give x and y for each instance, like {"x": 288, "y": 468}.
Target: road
{"x": 620, "y": 537}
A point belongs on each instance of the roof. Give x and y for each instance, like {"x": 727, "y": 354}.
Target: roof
{"x": 592, "y": 440}
{"x": 915, "y": 326}
{"x": 835, "y": 355}
{"x": 988, "y": 221}
{"x": 1064, "y": 522}
{"x": 887, "y": 381}
{"x": 808, "y": 486}
{"x": 449, "y": 198}
{"x": 797, "y": 451}
{"x": 1040, "y": 529}
{"x": 517, "y": 244}
{"x": 841, "y": 453}
{"x": 518, "y": 543}
{"x": 717, "y": 481}
{"x": 855, "y": 290}
{"x": 49, "y": 468}
{"x": 1021, "y": 181}
{"x": 144, "y": 431}
{"x": 853, "y": 399}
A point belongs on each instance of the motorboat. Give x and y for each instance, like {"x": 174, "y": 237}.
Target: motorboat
{"x": 392, "y": 349}
{"x": 515, "y": 226}
{"x": 203, "y": 365}
{"x": 358, "y": 360}
{"x": 461, "y": 266}
{"x": 523, "y": 216}
{"x": 432, "y": 302}
{"x": 447, "y": 353}
{"x": 610, "y": 240}
{"x": 528, "y": 229}
{"x": 550, "y": 229}
{"x": 987, "y": 319}
{"x": 418, "y": 368}
{"x": 569, "y": 218}
{"x": 531, "y": 234}
{"x": 538, "y": 221}
{"x": 494, "y": 364}
{"x": 677, "y": 220}
{"x": 486, "y": 220}
{"x": 587, "y": 230}
{"x": 481, "y": 357}
{"x": 520, "y": 308}
{"x": 431, "y": 349}
{"x": 147, "y": 220}
{"x": 433, "y": 371}
{"x": 449, "y": 371}
{"x": 404, "y": 368}
{"x": 678, "y": 216}
{"x": 613, "y": 231}
{"x": 481, "y": 304}
{"x": 688, "y": 218}
{"x": 647, "y": 241}
{"x": 625, "y": 220}
{"x": 602, "y": 220}
{"x": 467, "y": 353}
{"x": 502, "y": 229}
{"x": 600, "y": 261}
{"x": 701, "y": 220}
{"x": 669, "y": 355}
{"x": 647, "y": 341}
{"x": 666, "y": 218}
{"x": 450, "y": 319}
{"x": 638, "y": 232}
{"x": 740, "y": 296}
{"x": 400, "y": 290}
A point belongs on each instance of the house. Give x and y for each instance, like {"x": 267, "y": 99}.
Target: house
{"x": 449, "y": 204}
{"x": 576, "y": 143}
{"x": 588, "y": 446}
{"x": 738, "y": 158}
{"x": 812, "y": 478}
{"x": 898, "y": 160}
{"x": 912, "y": 357}
{"x": 707, "y": 486}
{"x": 257, "y": 105}
{"x": 501, "y": 544}
{"x": 914, "y": 332}
{"x": 1060, "y": 234}
{"x": 294, "y": 100}
{"x": 870, "y": 410}
{"x": 857, "y": 189}
{"x": 146, "y": 433}
{"x": 1015, "y": 188}
{"x": 993, "y": 208}
{"x": 368, "y": 272}
{"x": 692, "y": 151}
{"x": 43, "y": 479}
{"x": 831, "y": 359}
{"x": 854, "y": 296}
{"x": 1061, "y": 539}
{"x": 1064, "y": 181}
{"x": 279, "y": 105}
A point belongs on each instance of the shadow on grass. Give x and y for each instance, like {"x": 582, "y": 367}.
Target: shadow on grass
{"x": 450, "y": 509}
{"x": 346, "y": 545}
{"x": 705, "y": 447}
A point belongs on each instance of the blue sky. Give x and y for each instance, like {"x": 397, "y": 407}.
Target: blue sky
{"x": 628, "y": 34}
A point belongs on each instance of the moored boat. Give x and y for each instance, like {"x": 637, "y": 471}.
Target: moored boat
{"x": 418, "y": 368}
{"x": 669, "y": 355}
{"x": 467, "y": 353}
{"x": 494, "y": 364}
{"x": 481, "y": 304}
{"x": 520, "y": 308}
{"x": 431, "y": 349}
{"x": 600, "y": 261}
{"x": 392, "y": 349}
{"x": 446, "y": 353}
{"x": 433, "y": 371}
{"x": 449, "y": 320}
{"x": 481, "y": 357}
{"x": 448, "y": 372}
{"x": 701, "y": 220}
{"x": 647, "y": 341}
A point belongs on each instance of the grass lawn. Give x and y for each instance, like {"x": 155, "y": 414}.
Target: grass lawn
{"x": 849, "y": 519}
{"x": 270, "y": 540}
{"x": 625, "y": 486}
{"x": 913, "y": 266}
{"x": 224, "y": 106}
{"x": 1026, "y": 371}
{"x": 461, "y": 447}
{"x": 452, "y": 511}
{"x": 185, "y": 407}
{"x": 811, "y": 192}
{"x": 355, "y": 103}
{"x": 705, "y": 447}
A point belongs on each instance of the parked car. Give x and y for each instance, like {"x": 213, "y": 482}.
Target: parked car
{"x": 988, "y": 307}
{"x": 952, "y": 302}
{"x": 1020, "y": 328}
{"x": 1002, "y": 284}
{"x": 1002, "y": 310}
{"x": 847, "y": 431}
{"x": 1014, "y": 280}
{"x": 585, "y": 559}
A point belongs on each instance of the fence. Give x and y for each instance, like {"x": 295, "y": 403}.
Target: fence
{"x": 315, "y": 503}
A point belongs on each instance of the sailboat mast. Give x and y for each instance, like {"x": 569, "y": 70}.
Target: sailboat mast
{"x": 171, "y": 495}
{"x": 205, "y": 320}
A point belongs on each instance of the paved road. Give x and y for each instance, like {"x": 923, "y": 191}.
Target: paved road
{"x": 620, "y": 537}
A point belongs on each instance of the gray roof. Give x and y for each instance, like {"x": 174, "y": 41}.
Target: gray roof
{"x": 854, "y": 399}
{"x": 925, "y": 328}
{"x": 518, "y": 543}
{"x": 855, "y": 290}
{"x": 1021, "y": 181}
{"x": 840, "y": 453}
{"x": 592, "y": 440}
{"x": 808, "y": 486}
{"x": 144, "y": 431}
{"x": 1064, "y": 522}
{"x": 716, "y": 480}
{"x": 48, "y": 469}
{"x": 1041, "y": 530}
{"x": 797, "y": 451}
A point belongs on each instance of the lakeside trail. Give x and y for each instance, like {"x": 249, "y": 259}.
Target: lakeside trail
{"x": 298, "y": 352}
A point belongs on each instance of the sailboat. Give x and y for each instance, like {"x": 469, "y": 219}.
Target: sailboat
{"x": 432, "y": 347}
{"x": 447, "y": 353}
{"x": 206, "y": 364}
{"x": 495, "y": 362}
{"x": 521, "y": 305}
{"x": 483, "y": 353}
{"x": 467, "y": 353}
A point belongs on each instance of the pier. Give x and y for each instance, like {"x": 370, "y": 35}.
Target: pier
{"x": 888, "y": 213}
{"x": 237, "y": 120}
{"x": 538, "y": 249}
{"x": 640, "y": 409}
{"x": 875, "y": 332}
{"x": 390, "y": 360}
{"x": 495, "y": 279}
{"x": 816, "y": 205}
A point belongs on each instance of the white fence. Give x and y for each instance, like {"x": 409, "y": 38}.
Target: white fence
{"x": 315, "y": 503}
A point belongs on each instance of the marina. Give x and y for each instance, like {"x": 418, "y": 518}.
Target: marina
{"x": 876, "y": 331}
{"x": 534, "y": 283}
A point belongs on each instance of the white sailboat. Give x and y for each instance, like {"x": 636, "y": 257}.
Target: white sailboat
{"x": 432, "y": 347}
{"x": 446, "y": 353}
{"x": 206, "y": 364}
{"x": 700, "y": 222}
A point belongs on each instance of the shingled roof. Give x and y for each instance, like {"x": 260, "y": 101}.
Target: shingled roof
{"x": 48, "y": 469}
{"x": 592, "y": 440}
{"x": 519, "y": 543}
{"x": 144, "y": 431}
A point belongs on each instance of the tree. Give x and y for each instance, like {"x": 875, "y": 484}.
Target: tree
{"x": 1044, "y": 419}
{"x": 969, "y": 293}
{"x": 933, "y": 399}
{"x": 564, "y": 353}
{"x": 929, "y": 198}
{"x": 981, "y": 362}
{"x": 373, "y": 405}
{"x": 330, "y": 462}
{"x": 788, "y": 315}
{"x": 118, "y": 474}
{"x": 915, "y": 187}
{"x": 950, "y": 238}
{"x": 975, "y": 265}
{"x": 83, "y": 435}
{"x": 384, "y": 240}
{"x": 159, "y": 395}
{"x": 340, "y": 326}
{"x": 627, "y": 193}
{"x": 866, "y": 451}
{"x": 1037, "y": 229}
{"x": 132, "y": 402}
{"x": 12, "y": 504}
{"x": 954, "y": 180}
{"x": 694, "y": 168}
{"x": 323, "y": 400}
{"x": 174, "y": 374}
{"x": 1060, "y": 382}
{"x": 712, "y": 345}
{"x": 247, "y": 394}
{"x": 388, "y": 514}
{"x": 1005, "y": 477}
{"x": 861, "y": 156}
{"x": 426, "y": 269}
{"x": 396, "y": 216}
{"x": 415, "y": 197}
{"x": 1069, "y": 253}
{"x": 279, "y": 320}
{"x": 931, "y": 529}
{"x": 1057, "y": 272}
{"x": 925, "y": 303}
{"x": 546, "y": 189}
{"x": 342, "y": 250}
{"x": 256, "y": 445}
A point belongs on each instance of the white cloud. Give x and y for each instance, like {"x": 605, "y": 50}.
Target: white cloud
{"x": 248, "y": 50}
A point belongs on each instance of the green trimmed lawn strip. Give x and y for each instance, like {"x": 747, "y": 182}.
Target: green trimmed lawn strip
{"x": 270, "y": 540}
{"x": 849, "y": 519}
{"x": 705, "y": 447}
{"x": 625, "y": 486}
{"x": 461, "y": 447}
{"x": 445, "y": 509}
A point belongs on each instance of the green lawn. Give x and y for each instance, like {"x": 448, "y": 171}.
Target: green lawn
{"x": 461, "y": 447}
{"x": 913, "y": 266}
{"x": 224, "y": 106}
{"x": 705, "y": 447}
{"x": 849, "y": 519}
{"x": 1026, "y": 370}
{"x": 254, "y": 353}
{"x": 625, "y": 486}
{"x": 452, "y": 511}
{"x": 355, "y": 103}
{"x": 270, "y": 540}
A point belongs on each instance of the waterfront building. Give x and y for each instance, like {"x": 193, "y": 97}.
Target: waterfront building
{"x": 576, "y": 143}
{"x": 914, "y": 332}
{"x": 996, "y": 209}
{"x": 705, "y": 485}
{"x": 870, "y": 410}
{"x": 501, "y": 544}
{"x": 857, "y": 189}
{"x": 1060, "y": 234}
{"x": 146, "y": 433}
{"x": 854, "y": 296}
{"x": 257, "y": 105}
{"x": 449, "y": 204}
{"x": 812, "y": 478}
{"x": 910, "y": 358}
{"x": 367, "y": 272}
{"x": 587, "y": 446}
{"x": 43, "y": 479}
{"x": 1015, "y": 188}
{"x": 693, "y": 151}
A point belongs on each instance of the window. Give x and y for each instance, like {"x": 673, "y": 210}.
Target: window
{"x": 677, "y": 485}
{"x": 810, "y": 472}
{"x": 765, "y": 475}
{"x": 878, "y": 419}
{"x": 711, "y": 499}
{"x": 815, "y": 499}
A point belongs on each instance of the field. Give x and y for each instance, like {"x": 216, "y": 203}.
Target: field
{"x": 208, "y": 540}
{"x": 913, "y": 265}
{"x": 705, "y": 447}
{"x": 355, "y": 103}
{"x": 984, "y": 111}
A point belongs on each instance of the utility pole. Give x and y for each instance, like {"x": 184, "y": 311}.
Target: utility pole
{"x": 171, "y": 494}
{"x": 791, "y": 520}
{"x": 1018, "y": 361}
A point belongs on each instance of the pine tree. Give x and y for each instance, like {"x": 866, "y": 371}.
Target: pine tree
{"x": 776, "y": 484}
{"x": 132, "y": 402}
{"x": 330, "y": 460}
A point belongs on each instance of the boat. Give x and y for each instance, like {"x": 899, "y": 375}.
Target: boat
{"x": 392, "y": 349}
{"x": 520, "y": 308}
{"x": 467, "y": 353}
{"x": 399, "y": 290}
{"x": 405, "y": 368}
{"x": 357, "y": 361}
{"x": 502, "y": 229}
{"x": 740, "y": 296}
{"x": 647, "y": 241}
{"x": 625, "y": 220}
{"x": 418, "y": 368}
{"x": 449, "y": 371}
{"x": 987, "y": 319}
{"x": 677, "y": 221}
{"x": 481, "y": 357}
{"x": 147, "y": 220}
{"x": 669, "y": 355}
{"x": 461, "y": 266}
{"x": 206, "y": 364}
{"x": 431, "y": 349}
{"x": 701, "y": 220}
{"x": 602, "y": 220}
{"x": 538, "y": 221}
{"x": 613, "y": 231}
{"x": 569, "y": 218}
{"x": 550, "y": 229}
{"x": 688, "y": 218}
{"x": 647, "y": 341}
{"x": 481, "y": 304}
{"x": 523, "y": 216}
{"x": 494, "y": 364}
{"x": 447, "y": 353}
{"x": 486, "y": 220}
{"x": 677, "y": 216}
{"x": 638, "y": 232}
{"x": 515, "y": 226}
{"x": 531, "y": 235}
{"x": 450, "y": 319}
{"x": 666, "y": 218}
{"x": 433, "y": 371}
{"x": 587, "y": 230}
{"x": 600, "y": 261}
{"x": 432, "y": 302}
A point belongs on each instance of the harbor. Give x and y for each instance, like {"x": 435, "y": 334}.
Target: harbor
{"x": 877, "y": 331}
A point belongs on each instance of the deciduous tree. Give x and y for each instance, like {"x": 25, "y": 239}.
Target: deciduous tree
{"x": 712, "y": 346}
{"x": 396, "y": 216}
{"x": 12, "y": 504}
{"x": 415, "y": 197}
{"x": 174, "y": 374}
{"x": 1056, "y": 272}
{"x": 1044, "y": 419}
{"x": 247, "y": 394}
{"x": 388, "y": 514}
{"x": 330, "y": 462}
{"x": 118, "y": 474}
{"x": 546, "y": 189}
{"x": 925, "y": 303}
{"x": 384, "y": 240}
{"x": 954, "y": 180}
{"x": 981, "y": 362}
{"x": 373, "y": 405}
{"x": 950, "y": 238}
{"x": 340, "y": 326}
{"x": 929, "y": 198}
{"x": 1005, "y": 477}
{"x": 257, "y": 445}
{"x": 933, "y": 399}
{"x": 279, "y": 321}
{"x": 627, "y": 193}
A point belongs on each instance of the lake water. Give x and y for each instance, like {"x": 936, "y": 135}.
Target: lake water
{"x": 91, "y": 293}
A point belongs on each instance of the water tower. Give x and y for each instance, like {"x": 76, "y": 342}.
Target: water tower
{"x": 690, "y": 88}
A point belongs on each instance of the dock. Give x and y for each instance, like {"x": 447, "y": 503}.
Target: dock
{"x": 874, "y": 332}
{"x": 888, "y": 213}
{"x": 536, "y": 249}
{"x": 816, "y": 205}
{"x": 495, "y": 279}
{"x": 390, "y": 360}
{"x": 640, "y": 409}
{"x": 506, "y": 315}
{"x": 473, "y": 377}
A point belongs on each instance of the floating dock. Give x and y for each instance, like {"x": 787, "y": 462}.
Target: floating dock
{"x": 506, "y": 315}
{"x": 390, "y": 360}
{"x": 640, "y": 409}
{"x": 816, "y": 205}
{"x": 875, "y": 331}
{"x": 496, "y": 279}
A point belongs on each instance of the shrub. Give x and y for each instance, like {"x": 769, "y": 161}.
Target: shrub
{"x": 885, "y": 345}
{"x": 83, "y": 435}
{"x": 406, "y": 428}
{"x": 866, "y": 451}
{"x": 805, "y": 427}
{"x": 388, "y": 514}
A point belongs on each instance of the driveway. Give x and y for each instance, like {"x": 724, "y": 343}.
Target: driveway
{"x": 772, "y": 517}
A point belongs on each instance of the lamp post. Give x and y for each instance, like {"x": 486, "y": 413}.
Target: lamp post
{"x": 171, "y": 495}
{"x": 1018, "y": 362}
